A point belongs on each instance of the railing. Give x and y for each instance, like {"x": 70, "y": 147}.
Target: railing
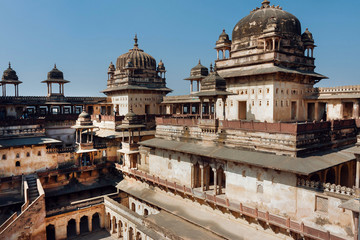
{"x": 290, "y": 128}
{"x": 326, "y": 187}
{"x": 282, "y": 222}
{"x": 6, "y": 132}
{"x": 75, "y": 206}
{"x": 60, "y": 150}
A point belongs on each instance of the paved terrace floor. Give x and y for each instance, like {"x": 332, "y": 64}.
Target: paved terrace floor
{"x": 218, "y": 223}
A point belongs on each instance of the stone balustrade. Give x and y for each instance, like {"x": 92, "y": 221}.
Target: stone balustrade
{"x": 326, "y": 187}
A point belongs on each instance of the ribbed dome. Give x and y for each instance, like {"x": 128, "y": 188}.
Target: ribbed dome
{"x": 10, "y": 74}
{"x": 257, "y": 21}
{"x": 55, "y": 74}
{"x": 138, "y": 58}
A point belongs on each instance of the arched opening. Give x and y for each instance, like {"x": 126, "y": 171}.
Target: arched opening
{"x": 96, "y": 221}
{"x": 330, "y": 176}
{"x": 197, "y": 176}
{"x": 50, "y": 232}
{"x": 131, "y": 233}
{"x": 315, "y": 177}
{"x": 120, "y": 229}
{"x": 133, "y": 207}
{"x": 114, "y": 227}
{"x": 344, "y": 176}
{"x": 210, "y": 177}
{"x": 138, "y": 236}
{"x": 221, "y": 180}
{"x": 84, "y": 225}
{"x": 71, "y": 228}
{"x": 17, "y": 164}
{"x": 146, "y": 212}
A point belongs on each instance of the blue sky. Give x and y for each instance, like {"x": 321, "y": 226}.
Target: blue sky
{"x": 83, "y": 36}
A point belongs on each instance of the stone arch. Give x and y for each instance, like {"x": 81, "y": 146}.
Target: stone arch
{"x": 50, "y": 232}
{"x": 131, "y": 234}
{"x": 84, "y": 224}
{"x": 95, "y": 221}
{"x": 133, "y": 207}
{"x": 330, "y": 176}
{"x": 344, "y": 176}
{"x": 138, "y": 236}
{"x": 114, "y": 225}
{"x": 120, "y": 229}
{"x": 71, "y": 228}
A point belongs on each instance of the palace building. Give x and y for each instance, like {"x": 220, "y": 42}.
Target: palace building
{"x": 254, "y": 151}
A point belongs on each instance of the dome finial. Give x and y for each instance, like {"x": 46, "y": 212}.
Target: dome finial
{"x": 9, "y": 65}
{"x": 211, "y": 67}
{"x": 199, "y": 61}
{"x": 136, "y": 40}
{"x": 265, "y": 3}
{"x": 54, "y": 65}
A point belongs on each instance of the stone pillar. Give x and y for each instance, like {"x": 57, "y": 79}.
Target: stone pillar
{"x": 191, "y": 86}
{"x": 220, "y": 181}
{"x": 215, "y": 181}
{"x": 77, "y": 226}
{"x": 356, "y": 110}
{"x": 90, "y": 223}
{"x": 201, "y": 108}
{"x": 192, "y": 176}
{"x": 76, "y": 136}
{"x": 224, "y": 112}
{"x": 80, "y": 135}
{"x": 317, "y": 117}
{"x": 357, "y": 179}
{"x": 215, "y": 102}
{"x": 217, "y": 54}
{"x": 202, "y": 177}
{"x": 209, "y": 108}
{"x": 223, "y": 52}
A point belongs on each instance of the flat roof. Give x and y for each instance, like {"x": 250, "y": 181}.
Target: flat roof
{"x": 27, "y": 141}
{"x": 298, "y": 165}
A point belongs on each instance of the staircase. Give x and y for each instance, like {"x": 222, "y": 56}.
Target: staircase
{"x": 32, "y": 191}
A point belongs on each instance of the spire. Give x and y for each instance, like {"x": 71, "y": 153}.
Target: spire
{"x": 211, "y": 67}
{"x": 9, "y": 65}
{"x": 199, "y": 62}
{"x": 265, "y": 3}
{"x": 55, "y": 65}
{"x": 215, "y": 67}
{"x": 136, "y": 40}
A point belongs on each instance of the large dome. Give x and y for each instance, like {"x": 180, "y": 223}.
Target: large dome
{"x": 258, "y": 20}
{"x": 138, "y": 58}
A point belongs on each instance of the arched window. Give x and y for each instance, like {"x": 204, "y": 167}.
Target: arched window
{"x": 39, "y": 153}
{"x": 4, "y": 157}
{"x": 27, "y": 154}
{"x": 146, "y": 212}
{"x": 18, "y": 155}
{"x": 17, "y": 164}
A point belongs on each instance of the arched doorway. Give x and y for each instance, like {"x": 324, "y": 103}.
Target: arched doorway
{"x": 96, "y": 221}
{"x": 50, "y": 232}
{"x": 84, "y": 225}
{"x": 114, "y": 227}
{"x": 71, "y": 228}
{"x": 120, "y": 230}
{"x": 133, "y": 207}
{"x": 138, "y": 236}
{"x": 344, "y": 176}
{"x": 330, "y": 176}
{"x": 131, "y": 233}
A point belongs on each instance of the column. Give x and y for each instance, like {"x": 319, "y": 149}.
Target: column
{"x": 356, "y": 110}
{"x": 209, "y": 108}
{"x": 80, "y": 133}
{"x": 220, "y": 181}
{"x": 92, "y": 137}
{"x": 357, "y": 181}
{"x": 223, "y": 53}
{"x": 273, "y": 46}
{"x": 129, "y": 136}
{"x": 202, "y": 177}
{"x": 224, "y": 100}
{"x": 198, "y": 85}
{"x": 60, "y": 88}
{"x": 87, "y": 136}
{"x": 139, "y": 137}
{"x": 215, "y": 102}
{"x": 192, "y": 176}
{"x": 215, "y": 181}
{"x": 217, "y": 54}
{"x": 90, "y": 223}
{"x": 77, "y": 226}
{"x": 50, "y": 90}
{"x": 201, "y": 108}
{"x": 191, "y": 86}
{"x": 76, "y": 136}
{"x": 312, "y": 52}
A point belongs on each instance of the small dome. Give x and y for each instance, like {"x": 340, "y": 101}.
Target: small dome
{"x": 223, "y": 38}
{"x": 10, "y": 74}
{"x": 111, "y": 68}
{"x": 55, "y": 74}
{"x": 84, "y": 119}
{"x": 258, "y": 20}
{"x": 213, "y": 82}
{"x": 199, "y": 70}
{"x": 161, "y": 66}
{"x": 307, "y": 36}
{"x": 138, "y": 57}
